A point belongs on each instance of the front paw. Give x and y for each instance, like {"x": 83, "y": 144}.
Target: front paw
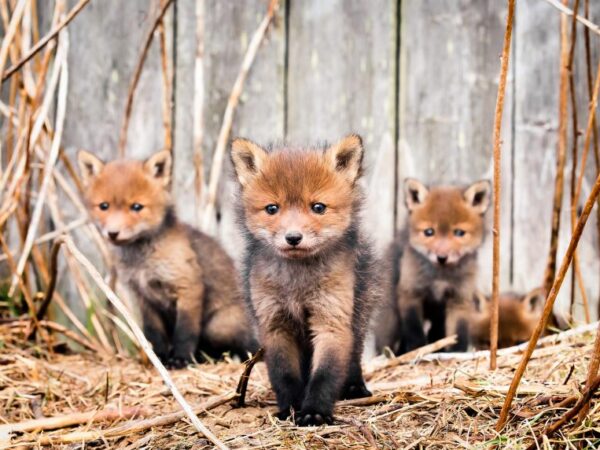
{"x": 355, "y": 390}
{"x": 177, "y": 362}
{"x": 310, "y": 417}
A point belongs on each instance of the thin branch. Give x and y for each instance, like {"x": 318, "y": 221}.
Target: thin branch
{"x": 583, "y": 20}
{"x": 581, "y": 403}
{"x": 217, "y": 162}
{"x": 497, "y": 174}
{"x": 561, "y": 154}
{"x": 137, "y": 74}
{"x": 593, "y": 367}
{"x": 541, "y": 325}
{"x": 44, "y": 41}
{"x": 146, "y": 346}
{"x": 11, "y": 32}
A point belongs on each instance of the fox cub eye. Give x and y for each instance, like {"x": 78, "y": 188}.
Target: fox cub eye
{"x": 271, "y": 209}
{"x": 459, "y": 233}
{"x": 318, "y": 208}
{"x": 137, "y": 207}
{"x": 428, "y": 232}
{"x": 103, "y": 206}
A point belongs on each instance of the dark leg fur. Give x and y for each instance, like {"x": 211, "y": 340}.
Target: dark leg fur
{"x": 412, "y": 330}
{"x": 185, "y": 339}
{"x": 155, "y": 332}
{"x": 321, "y": 393}
{"x": 462, "y": 331}
{"x": 355, "y": 386}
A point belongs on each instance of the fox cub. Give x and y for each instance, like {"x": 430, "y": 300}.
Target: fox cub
{"x": 433, "y": 266}
{"x": 308, "y": 271}
{"x": 518, "y": 316}
{"x": 185, "y": 283}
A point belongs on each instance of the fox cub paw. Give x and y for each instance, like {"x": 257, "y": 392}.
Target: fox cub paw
{"x": 355, "y": 390}
{"x": 312, "y": 417}
{"x": 177, "y": 362}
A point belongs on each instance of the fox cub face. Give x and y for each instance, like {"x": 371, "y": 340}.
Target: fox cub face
{"x": 299, "y": 202}
{"x": 127, "y": 199}
{"x": 446, "y": 222}
{"x": 518, "y": 317}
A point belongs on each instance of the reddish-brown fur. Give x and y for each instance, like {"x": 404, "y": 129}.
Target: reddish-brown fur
{"x": 433, "y": 266}
{"x": 186, "y": 285}
{"x": 518, "y": 317}
{"x": 311, "y": 296}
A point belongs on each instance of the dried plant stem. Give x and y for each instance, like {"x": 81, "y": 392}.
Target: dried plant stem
{"x": 135, "y": 427}
{"x": 53, "y": 423}
{"x": 45, "y": 40}
{"x": 581, "y": 403}
{"x": 584, "y": 20}
{"x": 593, "y": 367}
{"x": 242, "y": 386}
{"x": 217, "y": 163}
{"x": 541, "y": 325}
{"x": 61, "y": 61}
{"x": 413, "y": 355}
{"x": 561, "y": 154}
{"x": 10, "y": 33}
{"x": 123, "y": 310}
{"x": 167, "y": 80}
{"x": 198, "y": 127}
{"x": 497, "y": 179}
{"x": 70, "y": 334}
{"x": 137, "y": 74}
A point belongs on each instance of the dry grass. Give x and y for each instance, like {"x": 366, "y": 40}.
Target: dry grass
{"x": 432, "y": 403}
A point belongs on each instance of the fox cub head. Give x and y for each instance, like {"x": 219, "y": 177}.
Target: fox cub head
{"x": 298, "y": 201}
{"x": 127, "y": 199}
{"x": 518, "y": 317}
{"x": 446, "y": 223}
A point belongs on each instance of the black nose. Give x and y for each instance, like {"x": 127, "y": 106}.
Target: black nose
{"x": 442, "y": 259}
{"x": 113, "y": 235}
{"x": 293, "y": 238}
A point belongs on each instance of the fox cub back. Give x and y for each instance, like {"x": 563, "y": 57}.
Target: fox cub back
{"x": 433, "y": 266}
{"x": 185, "y": 284}
{"x": 518, "y": 317}
{"x": 308, "y": 271}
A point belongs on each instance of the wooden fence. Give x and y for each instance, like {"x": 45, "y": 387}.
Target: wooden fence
{"x": 416, "y": 78}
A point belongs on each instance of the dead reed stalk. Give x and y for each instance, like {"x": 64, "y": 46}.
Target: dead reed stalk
{"x": 541, "y": 325}
{"x": 234, "y": 98}
{"x": 137, "y": 74}
{"x": 497, "y": 180}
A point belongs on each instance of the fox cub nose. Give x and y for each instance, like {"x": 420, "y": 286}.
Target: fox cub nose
{"x": 293, "y": 238}
{"x": 112, "y": 235}
{"x": 442, "y": 259}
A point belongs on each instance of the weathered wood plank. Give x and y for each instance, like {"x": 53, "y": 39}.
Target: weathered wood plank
{"x": 536, "y": 127}
{"x": 448, "y": 84}
{"x": 229, "y": 26}
{"x": 341, "y": 79}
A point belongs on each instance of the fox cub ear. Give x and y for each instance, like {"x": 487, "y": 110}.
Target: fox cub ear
{"x": 89, "y": 166}
{"x": 346, "y": 157}
{"x": 158, "y": 166}
{"x": 534, "y": 301}
{"x": 478, "y": 196}
{"x": 415, "y": 193}
{"x": 247, "y": 158}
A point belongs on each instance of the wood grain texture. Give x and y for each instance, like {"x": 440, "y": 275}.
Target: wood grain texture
{"x": 341, "y": 79}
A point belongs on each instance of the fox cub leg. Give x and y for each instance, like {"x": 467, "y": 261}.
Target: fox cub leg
{"x": 456, "y": 323}
{"x": 186, "y": 332}
{"x": 228, "y": 330}
{"x": 154, "y": 330}
{"x": 284, "y": 364}
{"x": 355, "y": 386}
{"x": 411, "y": 314}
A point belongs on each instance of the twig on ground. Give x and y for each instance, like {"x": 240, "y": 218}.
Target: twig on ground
{"x": 242, "y": 386}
